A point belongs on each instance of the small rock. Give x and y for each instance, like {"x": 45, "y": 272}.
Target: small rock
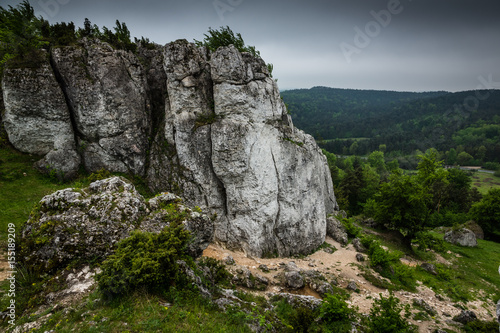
{"x": 352, "y": 286}
{"x": 360, "y": 257}
{"x": 356, "y": 242}
{"x": 425, "y": 306}
{"x": 429, "y": 268}
{"x": 294, "y": 280}
{"x": 466, "y": 316}
{"x": 264, "y": 268}
{"x": 229, "y": 260}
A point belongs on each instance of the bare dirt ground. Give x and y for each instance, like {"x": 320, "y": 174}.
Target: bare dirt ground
{"x": 343, "y": 266}
{"x": 4, "y": 266}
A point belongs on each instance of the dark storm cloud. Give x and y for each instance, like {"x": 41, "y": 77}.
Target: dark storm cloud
{"x": 421, "y": 45}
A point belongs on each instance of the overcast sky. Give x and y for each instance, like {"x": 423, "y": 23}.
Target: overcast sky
{"x": 411, "y": 45}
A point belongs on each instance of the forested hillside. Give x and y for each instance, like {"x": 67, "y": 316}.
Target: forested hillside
{"x": 347, "y": 121}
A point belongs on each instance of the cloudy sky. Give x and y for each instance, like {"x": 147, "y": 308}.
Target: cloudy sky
{"x": 410, "y": 45}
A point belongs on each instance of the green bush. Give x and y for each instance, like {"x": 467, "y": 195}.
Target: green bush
{"x": 478, "y": 326}
{"x": 388, "y": 316}
{"x": 351, "y": 228}
{"x": 380, "y": 257}
{"x": 144, "y": 260}
{"x": 336, "y": 313}
{"x": 225, "y": 37}
{"x": 426, "y": 240}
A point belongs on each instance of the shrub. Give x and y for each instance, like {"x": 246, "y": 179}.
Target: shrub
{"x": 487, "y": 214}
{"x": 336, "y": 313}
{"x": 225, "y": 37}
{"x": 386, "y": 317}
{"x": 351, "y": 229}
{"x": 426, "y": 240}
{"x": 144, "y": 260}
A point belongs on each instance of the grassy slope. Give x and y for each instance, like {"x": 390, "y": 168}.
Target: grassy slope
{"x": 485, "y": 181}
{"x": 475, "y": 269}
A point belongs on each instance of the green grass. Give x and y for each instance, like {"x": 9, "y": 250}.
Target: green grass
{"x": 485, "y": 181}
{"x": 21, "y": 186}
{"x": 142, "y": 312}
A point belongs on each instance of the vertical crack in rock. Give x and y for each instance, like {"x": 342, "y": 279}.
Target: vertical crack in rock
{"x": 64, "y": 90}
{"x": 278, "y": 214}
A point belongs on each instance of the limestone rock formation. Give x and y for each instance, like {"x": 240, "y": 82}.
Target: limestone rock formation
{"x": 209, "y": 126}
{"x": 85, "y": 224}
{"x": 106, "y": 91}
{"x": 37, "y": 119}
{"x": 463, "y": 237}
{"x": 336, "y": 230}
{"x": 229, "y": 144}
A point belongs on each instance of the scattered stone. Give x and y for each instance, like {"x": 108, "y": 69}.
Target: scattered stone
{"x": 466, "y": 316}
{"x": 296, "y": 301}
{"x": 291, "y": 267}
{"x": 463, "y": 237}
{"x": 360, "y": 257}
{"x": 352, "y": 286}
{"x": 336, "y": 230}
{"x": 356, "y": 242}
{"x": 294, "y": 280}
{"x": 229, "y": 260}
{"x": 329, "y": 249}
{"x": 424, "y": 306}
{"x": 264, "y": 268}
{"x": 369, "y": 222}
{"x": 430, "y": 268}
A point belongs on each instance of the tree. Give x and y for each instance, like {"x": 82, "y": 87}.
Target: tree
{"x": 20, "y": 32}
{"x": 464, "y": 158}
{"x": 403, "y": 205}
{"x": 433, "y": 178}
{"x": 452, "y": 157}
{"x": 225, "y": 37}
{"x": 377, "y": 161}
{"x": 353, "y": 149}
{"x": 487, "y": 214}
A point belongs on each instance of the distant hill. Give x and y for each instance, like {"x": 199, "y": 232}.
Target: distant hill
{"x": 403, "y": 121}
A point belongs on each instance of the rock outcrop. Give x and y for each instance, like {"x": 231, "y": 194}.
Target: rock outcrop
{"x": 230, "y": 145}
{"x": 106, "y": 92}
{"x": 463, "y": 237}
{"x": 85, "y": 224}
{"x": 37, "y": 119}
{"x": 209, "y": 126}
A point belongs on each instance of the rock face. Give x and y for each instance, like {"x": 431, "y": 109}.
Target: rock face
{"x": 209, "y": 126}
{"x": 85, "y": 224}
{"x": 37, "y": 119}
{"x": 235, "y": 148}
{"x": 106, "y": 90}
{"x": 463, "y": 237}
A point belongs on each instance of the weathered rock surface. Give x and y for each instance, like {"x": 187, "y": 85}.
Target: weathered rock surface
{"x": 463, "y": 237}
{"x": 220, "y": 135}
{"x": 106, "y": 90}
{"x": 336, "y": 230}
{"x": 37, "y": 119}
{"x": 230, "y": 146}
{"x": 466, "y": 316}
{"x": 85, "y": 224}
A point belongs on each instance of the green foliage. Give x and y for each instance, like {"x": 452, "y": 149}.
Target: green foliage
{"x": 20, "y": 33}
{"x": 402, "y": 204}
{"x": 225, "y": 37}
{"x": 402, "y": 121}
{"x": 144, "y": 260}
{"x": 487, "y": 214}
{"x": 389, "y": 316}
{"x": 478, "y": 326}
{"x": 99, "y": 175}
{"x": 351, "y": 228}
{"x": 426, "y": 240}
{"x": 335, "y": 310}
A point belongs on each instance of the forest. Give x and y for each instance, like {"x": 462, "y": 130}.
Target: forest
{"x": 463, "y": 128}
